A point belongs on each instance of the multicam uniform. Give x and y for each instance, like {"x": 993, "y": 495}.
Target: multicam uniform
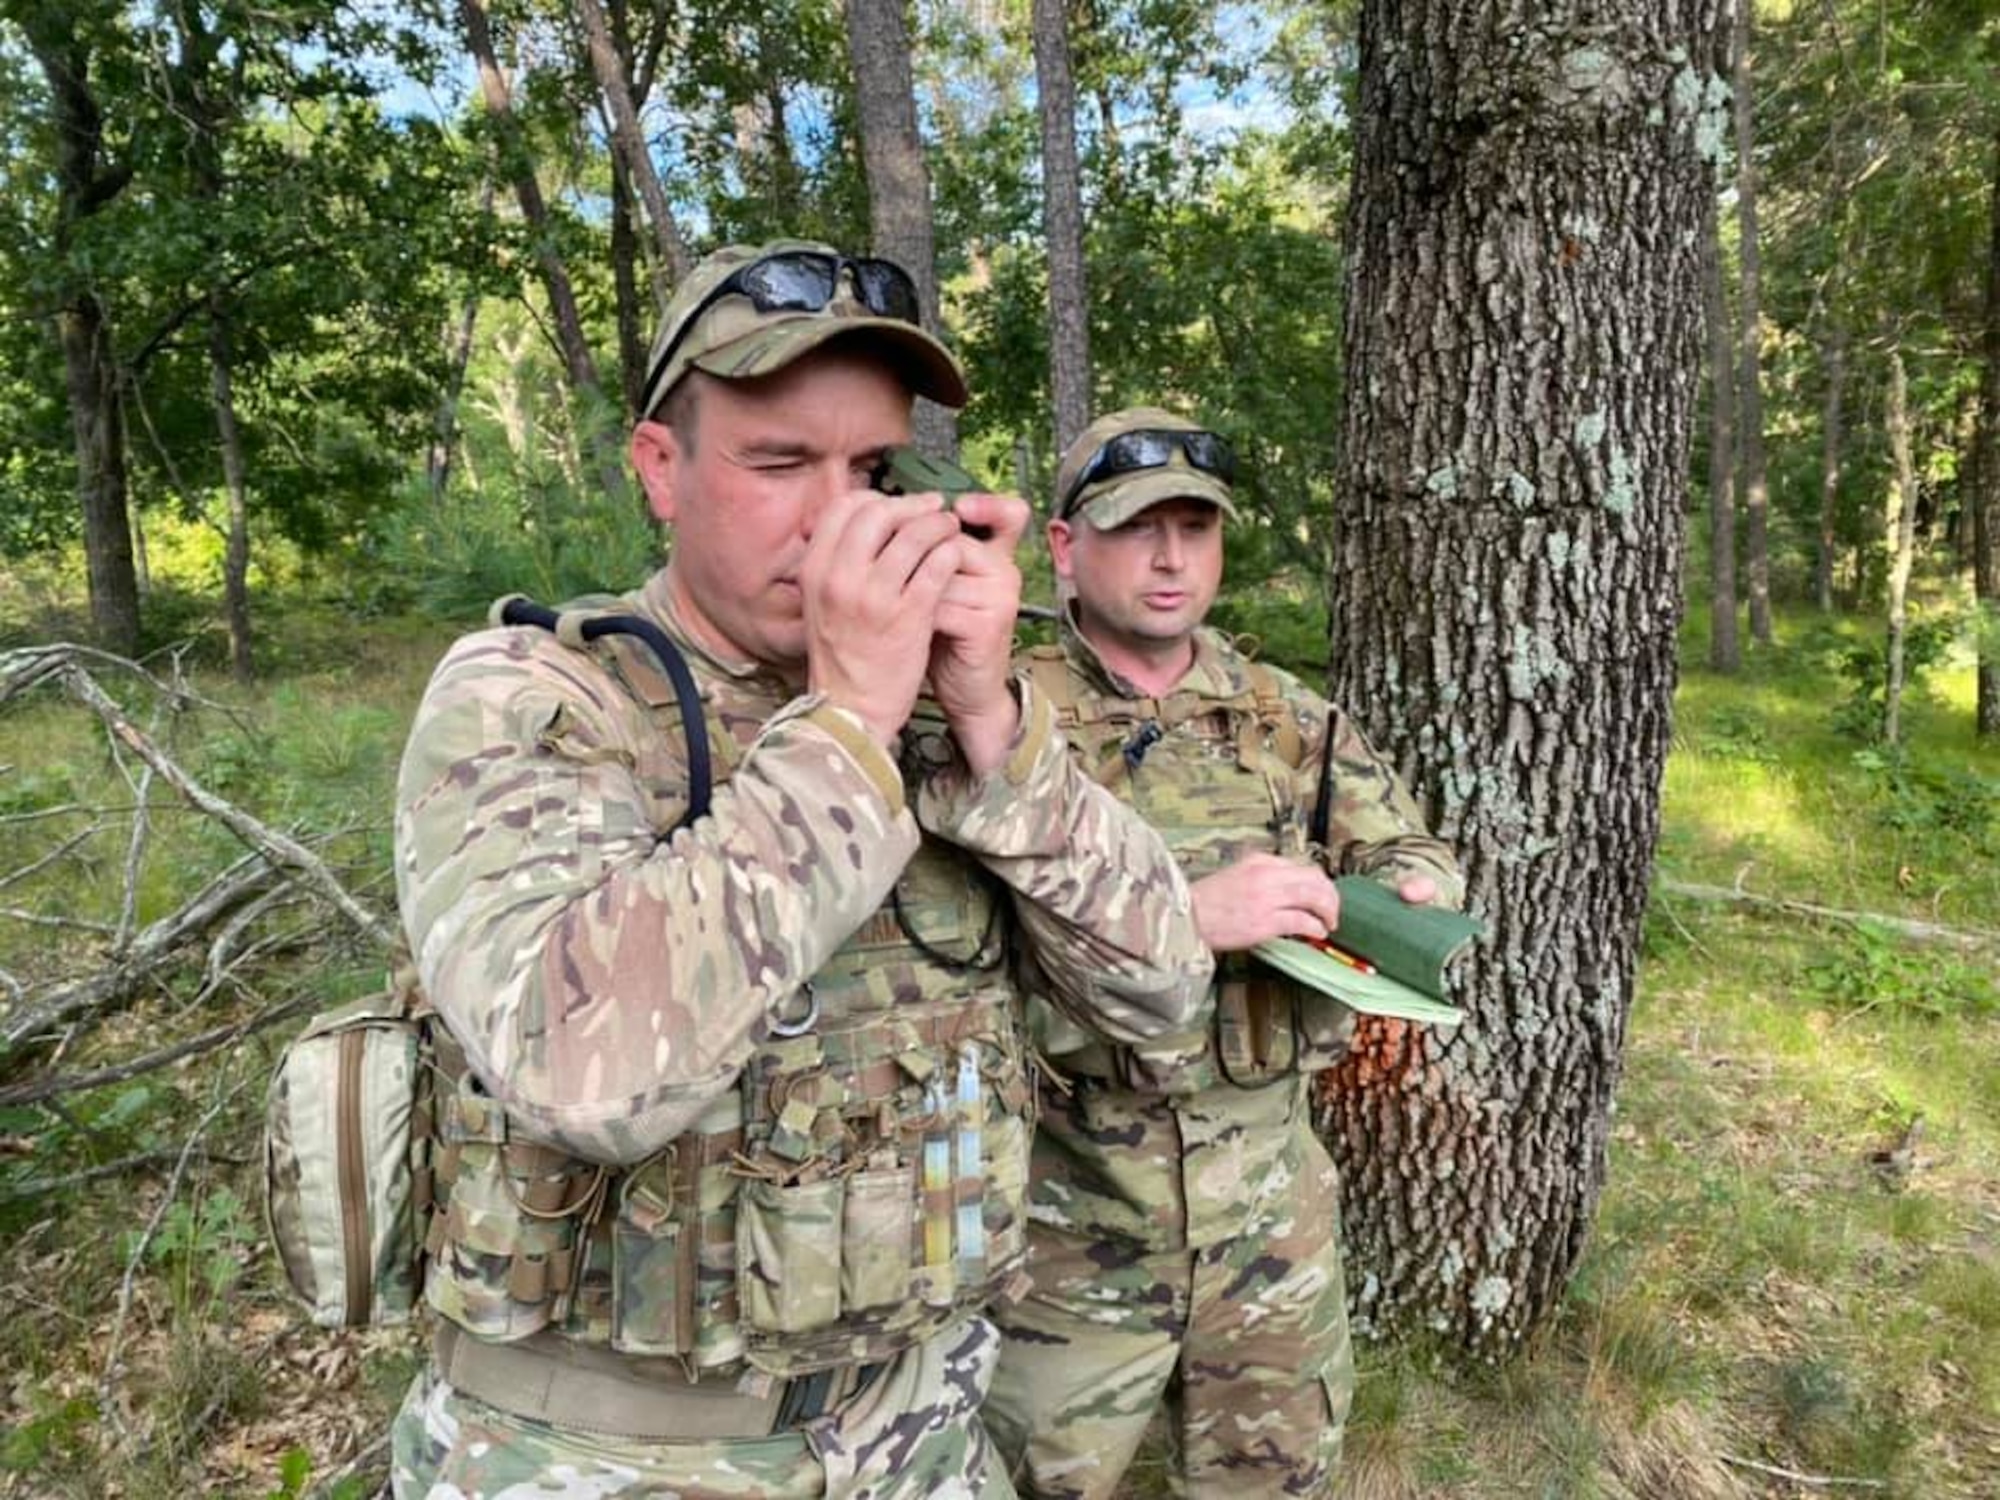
{"x": 1183, "y": 1217}
{"x": 736, "y": 1149}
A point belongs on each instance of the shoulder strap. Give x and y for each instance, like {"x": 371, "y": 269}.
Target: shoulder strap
{"x": 1049, "y": 670}
{"x": 1275, "y": 712}
{"x": 518, "y": 609}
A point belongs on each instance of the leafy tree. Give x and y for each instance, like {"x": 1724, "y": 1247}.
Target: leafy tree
{"x": 80, "y": 52}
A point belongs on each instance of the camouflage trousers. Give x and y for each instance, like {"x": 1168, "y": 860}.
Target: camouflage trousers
{"x": 911, "y": 1433}
{"x": 1244, "y": 1341}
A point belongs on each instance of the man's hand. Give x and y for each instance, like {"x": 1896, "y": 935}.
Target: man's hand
{"x": 873, "y": 577}
{"x": 1263, "y": 896}
{"x": 972, "y": 650}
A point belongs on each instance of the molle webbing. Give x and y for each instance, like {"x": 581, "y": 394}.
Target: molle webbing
{"x": 1259, "y": 717}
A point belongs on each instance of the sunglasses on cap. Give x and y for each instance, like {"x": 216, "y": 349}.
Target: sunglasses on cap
{"x": 805, "y": 281}
{"x": 1152, "y": 448}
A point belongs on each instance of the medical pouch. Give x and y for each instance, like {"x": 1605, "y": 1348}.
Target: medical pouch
{"x": 346, "y": 1171}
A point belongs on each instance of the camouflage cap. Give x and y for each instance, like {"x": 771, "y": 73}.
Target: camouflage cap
{"x": 1112, "y": 501}
{"x": 731, "y": 339}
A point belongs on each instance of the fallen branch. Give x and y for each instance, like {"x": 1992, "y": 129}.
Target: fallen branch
{"x": 52, "y": 857}
{"x": 247, "y": 878}
{"x": 30, "y": 667}
{"x": 1923, "y": 932}
{"x": 36, "y": 1187}
{"x": 37, "y": 1090}
{"x": 68, "y": 924}
{"x": 368, "y": 1454}
{"x": 1810, "y": 1481}
{"x": 279, "y": 848}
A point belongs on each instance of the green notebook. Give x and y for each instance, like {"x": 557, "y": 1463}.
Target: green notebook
{"x": 1407, "y": 946}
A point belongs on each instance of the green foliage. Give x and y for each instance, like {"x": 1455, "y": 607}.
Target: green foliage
{"x": 549, "y": 538}
{"x": 200, "y": 1246}
{"x": 1924, "y": 795}
{"x": 56, "y": 1433}
{"x": 1874, "y": 966}
{"x": 1864, "y": 664}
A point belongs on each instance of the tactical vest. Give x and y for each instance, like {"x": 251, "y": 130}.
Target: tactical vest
{"x": 862, "y": 1185}
{"x": 1216, "y": 777}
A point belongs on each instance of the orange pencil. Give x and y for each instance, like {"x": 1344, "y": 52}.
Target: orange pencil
{"x": 1340, "y": 955}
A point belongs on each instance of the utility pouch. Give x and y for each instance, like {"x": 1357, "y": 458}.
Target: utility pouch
{"x": 653, "y": 1269}
{"x": 346, "y": 1170}
{"x": 788, "y": 1248}
{"x": 877, "y": 1222}
{"x": 1325, "y": 1028}
{"x": 1255, "y": 1042}
{"x": 507, "y": 1251}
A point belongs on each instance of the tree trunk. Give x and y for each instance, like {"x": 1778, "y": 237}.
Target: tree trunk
{"x": 605, "y": 443}
{"x": 90, "y": 366}
{"x": 1523, "y": 320}
{"x": 206, "y": 109}
{"x": 1724, "y": 652}
{"x": 1986, "y": 494}
{"x": 628, "y": 143}
{"x": 98, "y": 428}
{"x": 236, "y": 553}
{"x": 1750, "y": 381}
{"x": 444, "y": 425}
{"x": 633, "y": 320}
{"x": 1833, "y": 360}
{"x": 1062, "y": 212}
{"x": 899, "y": 182}
{"x": 1902, "y": 528}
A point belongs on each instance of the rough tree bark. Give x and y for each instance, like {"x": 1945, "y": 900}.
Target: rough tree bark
{"x": 85, "y": 184}
{"x": 1724, "y": 651}
{"x": 1755, "y": 487}
{"x": 631, "y": 314}
{"x": 899, "y": 182}
{"x": 1901, "y": 522}
{"x": 1986, "y": 502}
{"x": 1525, "y": 238}
{"x": 1062, "y": 213}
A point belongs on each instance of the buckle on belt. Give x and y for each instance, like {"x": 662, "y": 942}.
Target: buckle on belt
{"x": 807, "y": 1397}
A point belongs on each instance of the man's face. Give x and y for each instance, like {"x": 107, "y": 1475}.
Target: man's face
{"x": 743, "y": 497}
{"x": 1146, "y": 583}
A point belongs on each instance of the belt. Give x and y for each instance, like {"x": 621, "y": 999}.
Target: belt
{"x": 548, "y": 1378}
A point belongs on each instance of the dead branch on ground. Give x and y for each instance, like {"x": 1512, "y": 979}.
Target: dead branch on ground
{"x": 1922, "y": 932}
{"x": 229, "y": 916}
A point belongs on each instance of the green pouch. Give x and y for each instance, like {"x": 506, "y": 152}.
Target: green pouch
{"x": 652, "y": 1264}
{"x": 788, "y": 1241}
{"x": 876, "y": 1236}
{"x": 1254, "y": 1040}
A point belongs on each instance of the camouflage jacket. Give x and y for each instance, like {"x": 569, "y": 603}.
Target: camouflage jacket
{"x": 606, "y": 986}
{"x": 1195, "y": 1168}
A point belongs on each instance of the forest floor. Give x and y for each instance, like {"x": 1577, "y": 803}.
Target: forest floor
{"x": 1792, "y": 1289}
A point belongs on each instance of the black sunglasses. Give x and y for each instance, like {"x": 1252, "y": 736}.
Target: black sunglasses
{"x": 1152, "y": 448}
{"x": 804, "y": 281}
